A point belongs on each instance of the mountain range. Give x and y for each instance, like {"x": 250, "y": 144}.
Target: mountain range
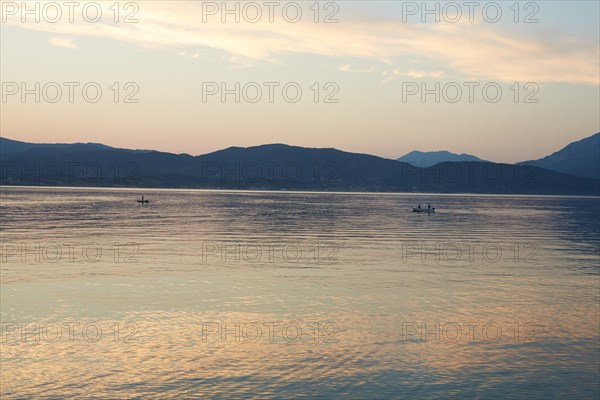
{"x": 431, "y": 158}
{"x": 578, "y": 158}
{"x": 272, "y": 167}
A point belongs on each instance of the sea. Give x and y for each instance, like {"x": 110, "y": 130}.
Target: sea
{"x": 205, "y": 294}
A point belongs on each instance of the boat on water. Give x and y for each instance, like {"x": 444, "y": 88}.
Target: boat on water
{"x": 424, "y": 210}
{"x": 427, "y": 210}
{"x": 143, "y": 201}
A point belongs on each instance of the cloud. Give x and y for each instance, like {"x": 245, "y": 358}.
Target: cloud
{"x": 188, "y": 54}
{"x": 473, "y": 51}
{"x": 425, "y": 74}
{"x": 417, "y": 74}
{"x": 349, "y": 68}
{"x": 62, "y": 42}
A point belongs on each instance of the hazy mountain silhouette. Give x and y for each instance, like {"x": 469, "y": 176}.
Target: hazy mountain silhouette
{"x": 274, "y": 167}
{"x": 14, "y": 146}
{"x": 578, "y": 158}
{"x": 431, "y": 158}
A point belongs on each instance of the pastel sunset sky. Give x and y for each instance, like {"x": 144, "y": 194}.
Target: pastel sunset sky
{"x": 366, "y": 55}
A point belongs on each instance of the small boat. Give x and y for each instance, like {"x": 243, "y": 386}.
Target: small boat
{"x": 143, "y": 201}
{"x": 424, "y": 210}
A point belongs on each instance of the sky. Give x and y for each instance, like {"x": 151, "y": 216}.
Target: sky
{"x": 506, "y": 81}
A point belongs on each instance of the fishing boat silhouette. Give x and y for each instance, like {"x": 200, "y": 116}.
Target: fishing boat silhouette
{"x": 143, "y": 201}
{"x": 427, "y": 210}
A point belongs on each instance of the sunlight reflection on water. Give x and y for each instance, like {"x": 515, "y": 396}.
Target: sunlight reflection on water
{"x": 374, "y": 276}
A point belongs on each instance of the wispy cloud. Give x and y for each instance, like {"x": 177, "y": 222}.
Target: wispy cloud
{"x": 190, "y": 54}
{"x": 390, "y": 75}
{"x": 349, "y": 68}
{"x": 475, "y": 51}
{"x": 425, "y": 74}
{"x": 62, "y": 42}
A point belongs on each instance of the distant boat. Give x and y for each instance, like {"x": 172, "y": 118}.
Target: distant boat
{"x": 427, "y": 210}
{"x": 143, "y": 201}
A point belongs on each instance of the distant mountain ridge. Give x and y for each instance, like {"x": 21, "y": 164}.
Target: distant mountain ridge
{"x": 431, "y": 158}
{"x": 14, "y": 146}
{"x": 272, "y": 167}
{"x": 580, "y": 158}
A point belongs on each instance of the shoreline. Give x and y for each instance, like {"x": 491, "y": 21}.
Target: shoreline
{"x": 274, "y": 191}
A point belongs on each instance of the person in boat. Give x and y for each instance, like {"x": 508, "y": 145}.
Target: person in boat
{"x": 419, "y": 206}
{"x": 429, "y": 206}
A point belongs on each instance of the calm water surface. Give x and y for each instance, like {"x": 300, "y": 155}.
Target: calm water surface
{"x": 208, "y": 294}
